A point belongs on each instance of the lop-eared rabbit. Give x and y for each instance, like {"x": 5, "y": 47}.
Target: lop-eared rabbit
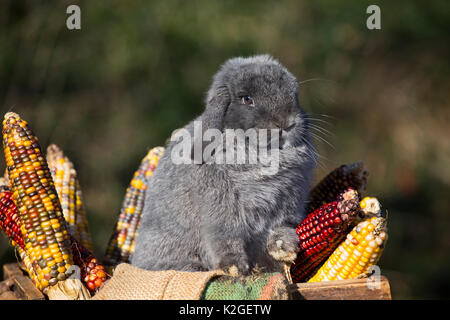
{"x": 206, "y": 214}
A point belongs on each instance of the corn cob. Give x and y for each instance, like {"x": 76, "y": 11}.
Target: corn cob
{"x": 70, "y": 195}
{"x": 122, "y": 242}
{"x": 9, "y": 219}
{"x": 42, "y": 223}
{"x": 361, "y": 249}
{"x": 81, "y": 221}
{"x": 64, "y": 185}
{"x": 322, "y": 231}
{"x": 328, "y": 189}
{"x": 16, "y": 237}
{"x": 93, "y": 274}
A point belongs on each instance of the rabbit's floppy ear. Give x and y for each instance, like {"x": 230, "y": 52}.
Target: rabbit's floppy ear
{"x": 217, "y": 102}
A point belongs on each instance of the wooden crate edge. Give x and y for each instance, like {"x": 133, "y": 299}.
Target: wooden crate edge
{"x": 353, "y": 289}
{"x": 23, "y": 287}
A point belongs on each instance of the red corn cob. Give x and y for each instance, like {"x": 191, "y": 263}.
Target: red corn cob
{"x": 336, "y": 182}
{"x": 93, "y": 274}
{"x": 322, "y": 231}
{"x": 9, "y": 219}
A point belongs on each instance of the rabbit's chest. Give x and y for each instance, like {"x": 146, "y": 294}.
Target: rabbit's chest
{"x": 262, "y": 205}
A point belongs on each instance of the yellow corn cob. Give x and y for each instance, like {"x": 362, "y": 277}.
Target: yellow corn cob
{"x": 81, "y": 220}
{"x": 123, "y": 240}
{"x": 361, "y": 249}
{"x": 70, "y": 195}
{"x": 43, "y": 226}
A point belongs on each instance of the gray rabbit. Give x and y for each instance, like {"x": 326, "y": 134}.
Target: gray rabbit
{"x": 208, "y": 215}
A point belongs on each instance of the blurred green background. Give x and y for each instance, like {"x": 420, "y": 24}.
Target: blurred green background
{"x": 137, "y": 70}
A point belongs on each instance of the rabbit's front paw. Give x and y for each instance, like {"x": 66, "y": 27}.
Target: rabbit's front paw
{"x": 282, "y": 244}
{"x": 235, "y": 264}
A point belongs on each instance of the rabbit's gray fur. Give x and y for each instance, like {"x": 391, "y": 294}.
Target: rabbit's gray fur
{"x": 208, "y": 216}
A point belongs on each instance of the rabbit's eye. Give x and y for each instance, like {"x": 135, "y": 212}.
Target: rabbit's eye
{"x": 247, "y": 100}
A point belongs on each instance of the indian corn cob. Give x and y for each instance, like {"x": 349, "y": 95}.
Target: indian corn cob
{"x": 321, "y": 232}
{"x": 9, "y": 219}
{"x": 361, "y": 249}
{"x": 122, "y": 242}
{"x": 340, "y": 179}
{"x": 93, "y": 274}
{"x": 64, "y": 180}
{"x": 42, "y": 223}
{"x": 70, "y": 195}
{"x": 82, "y": 223}
{"x": 9, "y": 210}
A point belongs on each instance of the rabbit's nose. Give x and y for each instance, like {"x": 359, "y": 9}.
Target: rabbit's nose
{"x": 284, "y": 124}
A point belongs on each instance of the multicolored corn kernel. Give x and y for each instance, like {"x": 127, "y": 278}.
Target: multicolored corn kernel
{"x": 328, "y": 189}
{"x": 123, "y": 240}
{"x": 42, "y": 223}
{"x": 93, "y": 274}
{"x": 321, "y": 232}
{"x": 361, "y": 249}
{"x": 70, "y": 195}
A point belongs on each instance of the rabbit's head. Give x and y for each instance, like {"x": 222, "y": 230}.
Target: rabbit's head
{"x": 256, "y": 92}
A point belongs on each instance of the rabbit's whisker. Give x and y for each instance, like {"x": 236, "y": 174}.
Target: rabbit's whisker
{"x": 322, "y": 139}
{"x": 314, "y": 156}
{"x": 320, "y": 120}
{"x": 315, "y": 79}
{"x": 311, "y": 119}
{"x": 321, "y": 130}
{"x": 323, "y": 115}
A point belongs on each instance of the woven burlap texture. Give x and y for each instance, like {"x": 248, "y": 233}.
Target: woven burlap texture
{"x": 132, "y": 283}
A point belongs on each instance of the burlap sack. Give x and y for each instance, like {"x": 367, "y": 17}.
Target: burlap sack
{"x": 132, "y": 283}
